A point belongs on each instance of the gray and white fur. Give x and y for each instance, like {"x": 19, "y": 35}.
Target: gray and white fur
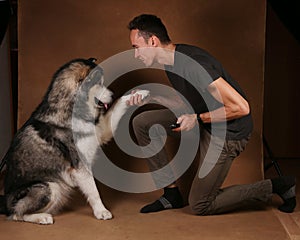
{"x": 54, "y": 150}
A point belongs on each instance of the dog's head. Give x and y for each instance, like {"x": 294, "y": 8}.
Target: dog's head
{"x": 93, "y": 98}
{"x": 79, "y": 84}
{"x": 98, "y": 96}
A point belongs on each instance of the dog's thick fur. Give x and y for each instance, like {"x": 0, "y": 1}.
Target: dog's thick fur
{"x": 54, "y": 151}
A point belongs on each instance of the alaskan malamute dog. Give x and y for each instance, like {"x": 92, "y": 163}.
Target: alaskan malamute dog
{"x": 54, "y": 151}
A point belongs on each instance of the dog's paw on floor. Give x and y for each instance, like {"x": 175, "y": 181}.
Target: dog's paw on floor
{"x": 39, "y": 218}
{"x": 103, "y": 215}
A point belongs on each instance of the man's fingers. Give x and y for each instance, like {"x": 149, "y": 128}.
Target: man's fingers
{"x": 135, "y": 99}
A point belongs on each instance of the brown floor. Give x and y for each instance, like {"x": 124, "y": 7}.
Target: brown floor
{"x": 77, "y": 222}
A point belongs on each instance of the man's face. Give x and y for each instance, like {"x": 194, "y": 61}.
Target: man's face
{"x": 143, "y": 49}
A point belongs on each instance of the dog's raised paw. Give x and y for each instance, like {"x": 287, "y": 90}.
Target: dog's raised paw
{"x": 144, "y": 93}
{"x": 103, "y": 215}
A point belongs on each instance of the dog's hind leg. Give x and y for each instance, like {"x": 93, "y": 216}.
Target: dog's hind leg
{"x": 86, "y": 183}
{"x": 27, "y": 204}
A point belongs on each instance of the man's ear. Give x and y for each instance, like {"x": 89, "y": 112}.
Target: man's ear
{"x": 154, "y": 41}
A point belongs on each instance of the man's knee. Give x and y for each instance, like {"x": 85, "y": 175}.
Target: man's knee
{"x": 141, "y": 124}
{"x": 138, "y": 121}
{"x": 202, "y": 208}
{"x": 144, "y": 121}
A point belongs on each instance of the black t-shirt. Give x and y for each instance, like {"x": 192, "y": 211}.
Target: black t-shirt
{"x": 193, "y": 70}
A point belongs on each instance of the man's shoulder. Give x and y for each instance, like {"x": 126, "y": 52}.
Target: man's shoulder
{"x": 195, "y": 52}
{"x": 190, "y": 49}
{"x": 186, "y": 48}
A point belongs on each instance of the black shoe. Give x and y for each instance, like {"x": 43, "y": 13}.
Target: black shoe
{"x": 285, "y": 187}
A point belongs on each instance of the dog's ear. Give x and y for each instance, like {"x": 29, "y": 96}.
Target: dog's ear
{"x": 96, "y": 74}
{"x": 93, "y": 60}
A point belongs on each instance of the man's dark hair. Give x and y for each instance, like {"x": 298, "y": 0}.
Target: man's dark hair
{"x": 149, "y": 25}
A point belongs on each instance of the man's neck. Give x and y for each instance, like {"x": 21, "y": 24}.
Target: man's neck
{"x": 166, "y": 54}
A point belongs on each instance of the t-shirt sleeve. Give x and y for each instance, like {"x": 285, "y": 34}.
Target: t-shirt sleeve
{"x": 208, "y": 65}
{"x": 201, "y": 72}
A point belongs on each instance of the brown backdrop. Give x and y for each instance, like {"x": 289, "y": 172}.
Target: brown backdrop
{"x": 281, "y": 95}
{"x": 54, "y": 32}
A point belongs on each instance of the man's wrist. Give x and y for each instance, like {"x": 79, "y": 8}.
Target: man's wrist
{"x": 199, "y": 118}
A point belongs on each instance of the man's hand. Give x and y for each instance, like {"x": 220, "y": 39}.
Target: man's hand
{"x": 137, "y": 99}
{"x": 187, "y": 122}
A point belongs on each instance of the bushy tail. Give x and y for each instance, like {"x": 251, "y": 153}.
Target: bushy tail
{"x": 3, "y": 209}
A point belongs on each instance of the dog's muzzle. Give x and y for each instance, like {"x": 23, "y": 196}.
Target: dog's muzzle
{"x": 100, "y": 104}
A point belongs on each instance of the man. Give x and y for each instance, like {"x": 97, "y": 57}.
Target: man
{"x": 216, "y": 99}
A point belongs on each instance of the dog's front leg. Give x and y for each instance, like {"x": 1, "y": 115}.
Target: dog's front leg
{"x": 118, "y": 111}
{"x": 121, "y": 106}
{"x": 86, "y": 183}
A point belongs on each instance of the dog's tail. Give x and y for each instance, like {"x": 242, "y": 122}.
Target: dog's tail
{"x": 3, "y": 209}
